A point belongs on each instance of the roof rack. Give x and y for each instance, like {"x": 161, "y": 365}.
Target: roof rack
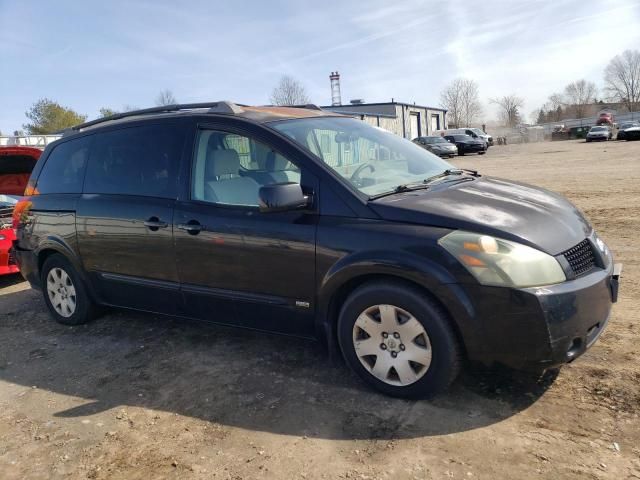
{"x": 226, "y": 107}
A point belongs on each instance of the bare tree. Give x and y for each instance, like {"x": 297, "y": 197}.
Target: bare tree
{"x": 579, "y": 95}
{"x": 510, "y": 106}
{"x": 460, "y": 99}
{"x": 165, "y": 97}
{"x": 289, "y": 91}
{"x": 622, "y": 79}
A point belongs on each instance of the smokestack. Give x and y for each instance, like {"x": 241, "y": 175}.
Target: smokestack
{"x": 336, "y": 99}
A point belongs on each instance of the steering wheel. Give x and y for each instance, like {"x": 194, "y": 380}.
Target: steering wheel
{"x": 355, "y": 176}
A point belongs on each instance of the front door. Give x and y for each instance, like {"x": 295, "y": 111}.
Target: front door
{"x": 125, "y": 216}
{"x": 236, "y": 264}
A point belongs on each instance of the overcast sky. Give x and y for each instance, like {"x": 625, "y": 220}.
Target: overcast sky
{"x": 91, "y": 54}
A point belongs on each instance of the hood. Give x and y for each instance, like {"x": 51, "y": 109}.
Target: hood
{"x": 599, "y": 132}
{"x": 506, "y": 209}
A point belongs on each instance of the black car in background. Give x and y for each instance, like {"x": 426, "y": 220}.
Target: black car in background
{"x": 437, "y": 145}
{"x": 622, "y": 131}
{"x": 467, "y": 144}
{"x": 312, "y": 224}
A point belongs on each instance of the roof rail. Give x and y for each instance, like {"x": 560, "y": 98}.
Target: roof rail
{"x": 214, "y": 107}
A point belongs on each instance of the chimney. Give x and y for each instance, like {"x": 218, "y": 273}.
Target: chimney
{"x": 336, "y": 99}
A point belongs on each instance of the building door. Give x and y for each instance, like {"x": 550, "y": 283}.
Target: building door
{"x": 435, "y": 122}
{"x": 414, "y": 125}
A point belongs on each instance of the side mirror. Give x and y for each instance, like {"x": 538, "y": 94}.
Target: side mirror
{"x": 280, "y": 197}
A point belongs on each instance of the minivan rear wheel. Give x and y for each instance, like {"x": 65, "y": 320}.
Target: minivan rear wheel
{"x": 64, "y": 292}
{"x": 398, "y": 340}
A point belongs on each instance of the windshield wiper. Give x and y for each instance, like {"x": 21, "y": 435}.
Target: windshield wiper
{"x": 424, "y": 184}
{"x": 405, "y": 187}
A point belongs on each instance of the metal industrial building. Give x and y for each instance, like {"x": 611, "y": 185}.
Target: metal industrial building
{"x": 404, "y": 119}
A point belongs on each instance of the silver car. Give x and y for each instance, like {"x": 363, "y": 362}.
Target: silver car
{"x": 599, "y": 132}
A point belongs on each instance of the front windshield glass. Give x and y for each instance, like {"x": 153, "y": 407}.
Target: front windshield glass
{"x": 8, "y": 200}
{"x": 371, "y": 159}
{"x": 435, "y": 140}
{"x": 477, "y": 131}
{"x": 598, "y": 129}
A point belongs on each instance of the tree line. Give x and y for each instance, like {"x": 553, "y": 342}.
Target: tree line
{"x": 621, "y": 86}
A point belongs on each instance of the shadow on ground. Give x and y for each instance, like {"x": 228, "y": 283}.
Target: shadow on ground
{"x": 236, "y": 378}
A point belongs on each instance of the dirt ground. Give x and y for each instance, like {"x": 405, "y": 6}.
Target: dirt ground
{"x": 134, "y": 396}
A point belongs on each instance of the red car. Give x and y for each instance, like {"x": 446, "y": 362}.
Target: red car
{"x": 16, "y": 163}
{"x": 605, "y": 118}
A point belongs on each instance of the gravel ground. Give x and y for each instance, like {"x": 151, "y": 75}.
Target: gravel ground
{"x": 136, "y": 396}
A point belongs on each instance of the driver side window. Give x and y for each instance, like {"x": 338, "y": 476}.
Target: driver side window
{"x": 229, "y": 169}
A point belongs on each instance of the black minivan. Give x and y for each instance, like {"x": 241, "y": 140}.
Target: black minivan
{"x": 313, "y": 224}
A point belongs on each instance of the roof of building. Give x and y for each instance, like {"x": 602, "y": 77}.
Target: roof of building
{"x": 356, "y": 105}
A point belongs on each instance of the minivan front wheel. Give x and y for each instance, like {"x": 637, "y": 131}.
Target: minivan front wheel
{"x": 64, "y": 292}
{"x": 398, "y": 340}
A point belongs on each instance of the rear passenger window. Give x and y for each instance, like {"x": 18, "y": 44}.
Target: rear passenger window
{"x": 136, "y": 161}
{"x": 63, "y": 170}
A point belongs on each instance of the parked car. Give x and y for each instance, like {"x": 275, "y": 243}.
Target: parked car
{"x": 605, "y": 118}
{"x": 437, "y": 145}
{"x": 622, "y": 130}
{"x": 467, "y": 144}
{"x": 16, "y": 163}
{"x": 632, "y": 133}
{"x": 599, "y": 133}
{"x": 312, "y": 224}
{"x": 475, "y": 133}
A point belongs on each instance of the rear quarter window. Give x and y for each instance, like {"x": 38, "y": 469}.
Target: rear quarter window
{"x": 141, "y": 160}
{"x": 63, "y": 171}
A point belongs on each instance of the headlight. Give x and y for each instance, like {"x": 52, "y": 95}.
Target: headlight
{"x": 494, "y": 261}
{"x": 601, "y": 245}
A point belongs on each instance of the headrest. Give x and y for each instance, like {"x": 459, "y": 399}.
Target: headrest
{"x": 275, "y": 162}
{"x": 222, "y": 162}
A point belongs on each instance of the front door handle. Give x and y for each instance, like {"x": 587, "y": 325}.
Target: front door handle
{"x": 192, "y": 227}
{"x": 154, "y": 223}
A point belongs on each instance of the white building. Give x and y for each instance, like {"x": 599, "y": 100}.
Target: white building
{"x": 404, "y": 119}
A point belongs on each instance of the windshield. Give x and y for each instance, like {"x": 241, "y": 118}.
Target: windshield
{"x": 461, "y": 138}
{"x": 8, "y": 200}
{"x": 435, "y": 140}
{"x": 477, "y": 131}
{"x": 371, "y": 159}
{"x": 598, "y": 129}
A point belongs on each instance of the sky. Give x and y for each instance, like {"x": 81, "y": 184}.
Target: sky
{"x": 92, "y": 54}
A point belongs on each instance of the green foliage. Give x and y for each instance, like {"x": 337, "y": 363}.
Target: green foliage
{"x": 107, "y": 112}
{"x": 48, "y": 116}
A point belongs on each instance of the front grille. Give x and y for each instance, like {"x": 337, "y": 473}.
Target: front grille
{"x": 581, "y": 257}
{"x": 6, "y": 212}
{"x": 12, "y": 257}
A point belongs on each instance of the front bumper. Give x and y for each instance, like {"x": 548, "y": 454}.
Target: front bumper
{"x": 542, "y": 327}
{"x": 450, "y": 152}
{"x": 599, "y": 137}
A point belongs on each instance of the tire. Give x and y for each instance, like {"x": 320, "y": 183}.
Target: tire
{"x": 436, "y": 353}
{"x": 482, "y": 153}
{"x": 71, "y": 305}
